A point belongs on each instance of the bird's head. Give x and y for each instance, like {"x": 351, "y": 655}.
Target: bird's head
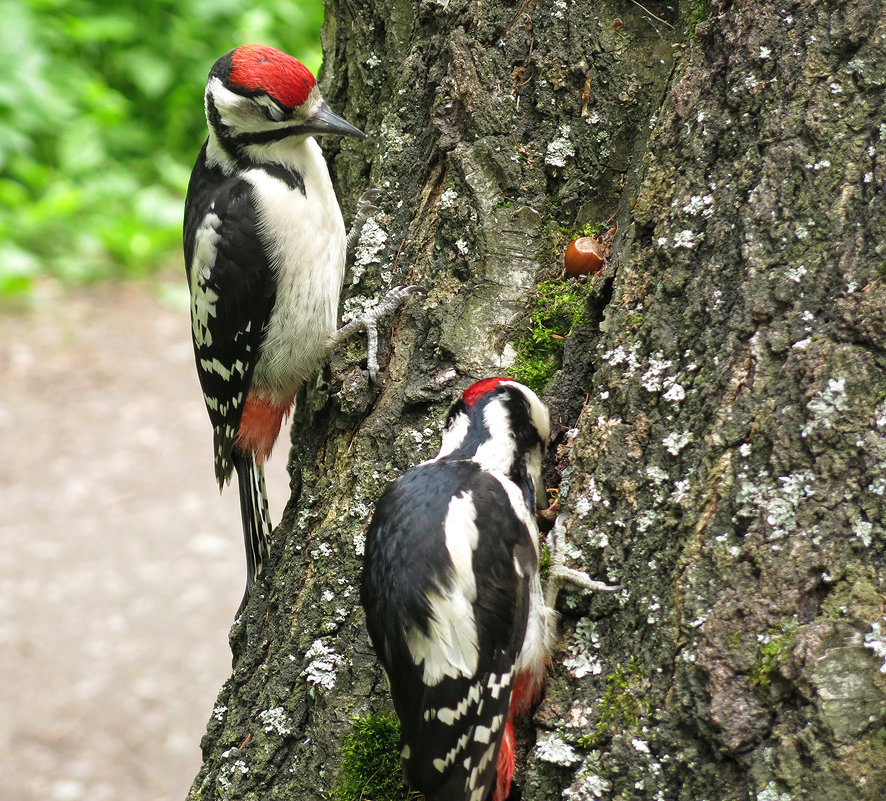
{"x": 257, "y": 96}
{"x": 502, "y": 425}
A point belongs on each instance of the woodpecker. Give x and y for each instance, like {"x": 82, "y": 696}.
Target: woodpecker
{"x": 265, "y": 250}
{"x": 452, "y": 594}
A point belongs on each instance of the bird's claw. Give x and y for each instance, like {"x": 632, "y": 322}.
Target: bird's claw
{"x": 560, "y": 574}
{"x": 368, "y": 322}
{"x": 391, "y": 302}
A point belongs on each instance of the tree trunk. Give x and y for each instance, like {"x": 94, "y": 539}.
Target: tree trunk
{"x": 721, "y": 408}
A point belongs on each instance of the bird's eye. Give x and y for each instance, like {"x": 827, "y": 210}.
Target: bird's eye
{"x": 273, "y": 112}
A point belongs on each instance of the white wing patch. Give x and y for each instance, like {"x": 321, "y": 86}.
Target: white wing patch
{"x": 478, "y": 793}
{"x": 448, "y": 715}
{"x": 441, "y": 764}
{"x": 215, "y": 366}
{"x": 203, "y": 299}
{"x": 450, "y": 648}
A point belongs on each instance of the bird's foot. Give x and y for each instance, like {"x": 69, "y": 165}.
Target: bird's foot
{"x": 369, "y": 323}
{"x": 365, "y": 209}
{"x": 560, "y": 574}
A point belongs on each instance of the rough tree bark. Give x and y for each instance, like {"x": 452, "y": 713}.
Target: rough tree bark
{"x": 721, "y": 410}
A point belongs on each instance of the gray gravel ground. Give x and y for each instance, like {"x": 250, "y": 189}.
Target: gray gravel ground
{"x": 120, "y": 566}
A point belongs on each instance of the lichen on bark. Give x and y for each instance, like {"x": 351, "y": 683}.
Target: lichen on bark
{"x": 721, "y": 411}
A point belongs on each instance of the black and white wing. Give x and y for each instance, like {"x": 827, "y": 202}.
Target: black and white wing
{"x": 232, "y": 295}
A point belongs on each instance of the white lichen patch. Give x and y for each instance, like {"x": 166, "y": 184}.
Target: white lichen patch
{"x": 674, "y": 392}
{"x": 356, "y": 307}
{"x": 581, "y": 665}
{"x": 578, "y": 717}
{"x": 652, "y": 378}
{"x": 796, "y": 274}
{"x": 651, "y": 617}
{"x": 875, "y": 639}
{"x": 582, "y": 647}
{"x": 322, "y": 551}
{"x": 591, "y": 496}
{"x": 779, "y": 503}
{"x": 324, "y": 664}
{"x": 597, "y": 539}
{"x": 826, "y": 406}
{"x": 622, "y": 356}
{"x": 681, "y": 491}
{"x": 863, "y": 529}
{"x": 770, "y": 793}
{"x": 675, "y": 442}
{"x": 554, "y": 749}
{"x": 645, "y": 521}
{"x": 275, "y": 720}
{"x": 587, "y": 786}
{"x": 656, "y": 474}
{"x": 561, "y": 149}
{"x": 360, "y": 510}
{"x": 583, "y": 506}
{"x": 447, "y": 198}
{"x": 219, "y": 713}
{"x": 687, "y": 239}
{"x": 373, "y": 239}
{"x": 699, "y": 204}
{"x": 238, "y": 766}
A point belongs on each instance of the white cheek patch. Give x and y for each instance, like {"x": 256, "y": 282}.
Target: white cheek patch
{"x": 500, "y": 450}
{"x": 236, "y": 111}
{"x": 454, "y": 436}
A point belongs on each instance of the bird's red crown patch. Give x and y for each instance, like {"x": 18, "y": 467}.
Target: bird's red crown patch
{"x": 260, "y": 68}
{"x": 476, "y": 391}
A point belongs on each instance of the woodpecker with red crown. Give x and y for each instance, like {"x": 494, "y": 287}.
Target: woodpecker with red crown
{"x": 265, "y": 250}
{"x": 453, "y": 599}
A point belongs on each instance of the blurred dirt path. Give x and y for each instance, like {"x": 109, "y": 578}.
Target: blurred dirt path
{"x": 120, "y": 566}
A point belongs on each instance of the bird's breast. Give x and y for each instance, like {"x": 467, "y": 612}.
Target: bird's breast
{"x": 304, "y": 234}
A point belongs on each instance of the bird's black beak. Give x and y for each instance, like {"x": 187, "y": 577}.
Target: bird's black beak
{"x": 326, "y": 121}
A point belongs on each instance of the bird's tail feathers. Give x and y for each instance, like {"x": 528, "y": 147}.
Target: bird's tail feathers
{"x": 255, "y": 516}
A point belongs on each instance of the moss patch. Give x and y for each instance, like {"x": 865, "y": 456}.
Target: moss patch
{"x": 624, "y": 703}
{"x": 371, "y": 762}
{"x": 772, "y": 653}
{"x": 696, "y": 11}
{"x": 556, "y": 308}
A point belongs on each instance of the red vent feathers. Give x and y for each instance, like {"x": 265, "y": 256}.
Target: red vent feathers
{"x": 261, "y": 68}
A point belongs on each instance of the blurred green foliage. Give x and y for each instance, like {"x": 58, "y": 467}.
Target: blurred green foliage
{"x": 101, "y": 118}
